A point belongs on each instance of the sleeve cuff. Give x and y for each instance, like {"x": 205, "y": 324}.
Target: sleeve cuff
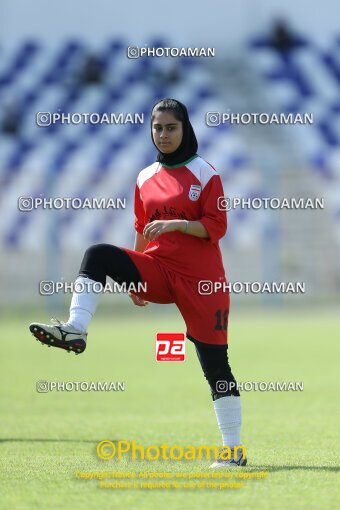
{"x": 214, "y": 233}
{"x": 139, "y": 228}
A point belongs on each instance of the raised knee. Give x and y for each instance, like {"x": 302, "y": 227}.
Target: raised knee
{"x": 98, "y": 250}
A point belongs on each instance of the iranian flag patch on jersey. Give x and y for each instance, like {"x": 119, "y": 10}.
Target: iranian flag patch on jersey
{"x": 194, "y": 192}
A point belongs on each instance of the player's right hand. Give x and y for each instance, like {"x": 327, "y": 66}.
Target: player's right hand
{"x": 137, "y": 300}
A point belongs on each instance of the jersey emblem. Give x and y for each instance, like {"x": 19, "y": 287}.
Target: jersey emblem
{"x": 194, "y": 192}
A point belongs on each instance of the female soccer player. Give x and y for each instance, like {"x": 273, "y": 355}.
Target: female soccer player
{"x": 178, "y": 225}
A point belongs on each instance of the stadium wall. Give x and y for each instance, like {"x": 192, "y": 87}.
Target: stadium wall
{"x": 220, "y": 24}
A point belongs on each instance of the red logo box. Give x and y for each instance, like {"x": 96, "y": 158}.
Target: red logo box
{"x": 170, "y": 347}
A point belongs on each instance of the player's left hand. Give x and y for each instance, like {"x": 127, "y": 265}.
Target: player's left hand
{"x": 156, "y": 228}
{"x": 138, "y": 300}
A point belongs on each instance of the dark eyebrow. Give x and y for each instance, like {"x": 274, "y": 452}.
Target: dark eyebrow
{"x": 171, "y": 124}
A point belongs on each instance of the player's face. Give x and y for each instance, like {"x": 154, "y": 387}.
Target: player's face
{"x": 167, "y": 132}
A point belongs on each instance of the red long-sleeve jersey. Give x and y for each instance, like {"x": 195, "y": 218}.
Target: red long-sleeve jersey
{"x": 189, "y": 192}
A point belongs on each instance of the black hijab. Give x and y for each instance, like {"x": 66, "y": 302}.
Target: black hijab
{"x": 188, "y": 146}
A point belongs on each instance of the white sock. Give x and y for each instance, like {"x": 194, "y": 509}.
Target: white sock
{"x": 83, "y": 304}
{"x": 229, "y": 419}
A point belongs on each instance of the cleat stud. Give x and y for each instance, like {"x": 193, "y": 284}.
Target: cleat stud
{"x": 51, "y": 340}
{"x": 34, "y": 329}
{"x": 47, "y": 336}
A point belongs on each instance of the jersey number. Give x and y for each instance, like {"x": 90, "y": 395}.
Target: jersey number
{"x": 221, "y": 320}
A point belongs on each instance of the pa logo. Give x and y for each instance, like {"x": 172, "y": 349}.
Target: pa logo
{"x": 194, "y": 192}
{"x": 170, "y": 347}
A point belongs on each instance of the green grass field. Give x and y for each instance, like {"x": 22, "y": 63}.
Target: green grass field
{"x": 47, "y": 437}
